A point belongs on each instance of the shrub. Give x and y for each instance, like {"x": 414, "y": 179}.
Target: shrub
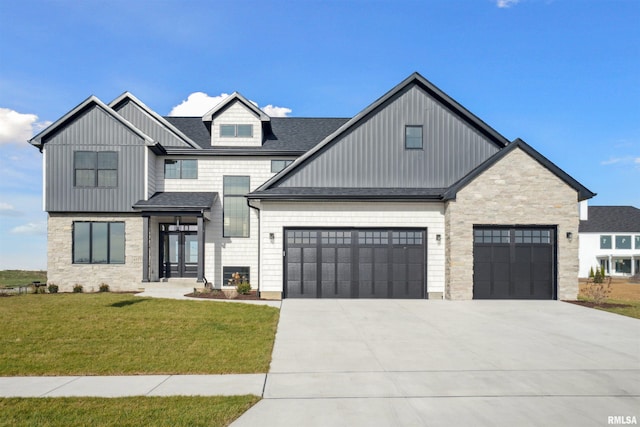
{"x": 53, "y": 289}
{"x": 78, "y": 288}
{"x": 598, "y": 292}
{"x": 104, "y": 287}
{"x": 591, "y": 275}
{"x": 243, "y": 287}
{"x": 598, "y": 277}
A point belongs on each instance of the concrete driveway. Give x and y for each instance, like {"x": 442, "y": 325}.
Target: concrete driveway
{"x": 476, "y": 363}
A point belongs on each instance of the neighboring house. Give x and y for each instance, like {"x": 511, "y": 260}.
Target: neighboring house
{"x": 414, "y": 197}
{"x": 610, "y": 238}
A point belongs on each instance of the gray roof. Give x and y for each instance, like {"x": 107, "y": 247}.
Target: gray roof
{"x": 177, "y": 201}
{"x": 295, "y": 134}
{"x": 611, "y": 219}
{"x": 309, "y": 193}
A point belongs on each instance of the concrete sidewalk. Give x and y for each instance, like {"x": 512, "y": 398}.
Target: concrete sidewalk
{"x": 133, "y": 385}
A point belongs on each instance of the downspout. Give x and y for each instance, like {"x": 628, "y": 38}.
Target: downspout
{"x": 259, "y": 245}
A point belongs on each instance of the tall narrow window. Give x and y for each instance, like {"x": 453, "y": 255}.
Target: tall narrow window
{"x": 98, "y": 242}
{"x": 413, "y": 137}
{"x": 235, "y": 209}
{"x": 95, "y": 169}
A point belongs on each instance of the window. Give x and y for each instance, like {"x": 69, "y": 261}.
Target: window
{"x": 235, "y": 209}
{"x": 491, "y": 236}
{"x": 278, "y": 165}
{"x": 604, "y": 264}
{"x": 180, "y": 169}
{"x": 637, "y": 242}
{"x": 605, "y": 242}
{"x": 622, "y": 265}
{"x": 95, "y": 168}
{"x": 98, "y": 242}
{"x": 413, "y": 137}
{"x": 228, "y": 272}
{"x": 623, "y": 242}
{"x": 236, "y": 131}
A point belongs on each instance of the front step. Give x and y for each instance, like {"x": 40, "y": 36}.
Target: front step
{"x": 187, "y": 283}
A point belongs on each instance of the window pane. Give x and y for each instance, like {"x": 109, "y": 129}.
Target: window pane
{"x": 637, "y": 242}
{"x": 99, "y": 242}
{"x": 107, "y": 160}
{"x": 236, "y": 217}
{"x": 85, "y": 178}
{"x": 84, "y": 160}
{"x": 245, "y": 131}
{"x": 623, "y": 265}
{"x": 277, "y": 165}
{"x": 81, "y": 240}
{"x": 107, "y": 178}
{"x": 623, "y": 242}
{"x": 228, "y": 130}
{"x": 227, "y": 273}
{"x": 236, "y": 185}
{"x": 413, "y": 137}
{"x": 605, "y": 242}
{"x": 189, "y": 169}
{"x": 171, "y": 169}
{"x": 116, "y": 243}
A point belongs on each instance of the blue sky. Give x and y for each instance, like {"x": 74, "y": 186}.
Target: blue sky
{"x": 564, "y": 75}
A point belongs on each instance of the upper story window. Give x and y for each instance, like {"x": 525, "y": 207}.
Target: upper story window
{"x": 278, "y": 165}
{"x": 95, "y": 169}
{"x": 236, "y": 131}
{"x": 623, "y": 242}
{"x": 98, "y": 242}
{"x": 605, "y": 242}
{"x": 413, "y": 137}
{"x": 637, "y": 242}
{"x": 235, "y": 210}
{"x": 181, "y": 169}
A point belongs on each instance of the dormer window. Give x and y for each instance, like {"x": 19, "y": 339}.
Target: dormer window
{"x": 236, "y": 131}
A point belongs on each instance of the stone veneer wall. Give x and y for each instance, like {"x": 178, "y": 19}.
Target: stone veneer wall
{"x": 61, "y": 270}
{"x": 517, "y": 190}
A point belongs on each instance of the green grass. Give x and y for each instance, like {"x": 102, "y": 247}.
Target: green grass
{"x": 114, "y": 334}
{"x": 21, "y": 277}
{"x": 129, "y": 411}
{"x": 633, "y": 309}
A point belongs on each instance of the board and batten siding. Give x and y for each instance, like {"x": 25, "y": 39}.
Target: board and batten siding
{"x": 94, "y": 130}
{"x": 373, "y": 153}
{"x": 149, "y": 125}
{"x": 276, "y": 216}
{"x": 234, "y": 114}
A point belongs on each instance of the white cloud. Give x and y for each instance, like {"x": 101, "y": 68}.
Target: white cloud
{"x": 198, "y": 103}
{"x": 7, "y": 209}
{"x": 17, "y": 127}
{"x": 503, "y": 4}
{"x": 31, "y": 228}
{"x": 637, "y": 160}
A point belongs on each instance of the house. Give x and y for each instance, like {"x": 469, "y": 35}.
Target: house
{"x": 610, "y": 239}
{"x": 414, "y": 197}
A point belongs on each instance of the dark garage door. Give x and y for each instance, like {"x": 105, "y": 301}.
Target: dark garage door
{"x": 513, "y": 263}
{"x": 348, "y": 263}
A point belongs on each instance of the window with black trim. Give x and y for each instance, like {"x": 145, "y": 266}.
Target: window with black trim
{"x": 236, "y": 131}
{"x": 98, "y": 242}
{"x": 95, "y": 169}
{"x": 181, "y": 169}
{"x": 278, "y": 165}
{"x": 235, "y": 211}
{"x": 228, "y": 274}
{"x": 413, "y": 137}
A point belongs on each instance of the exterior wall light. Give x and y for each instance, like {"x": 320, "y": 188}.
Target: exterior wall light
{"x": 569, "y": 235}
{"x": 272, "y": 237}
{"x": 438, "y": 237}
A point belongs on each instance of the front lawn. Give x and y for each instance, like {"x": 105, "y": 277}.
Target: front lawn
{"x": 126, "y": 411}
{"x": 120, "y": 334}
{"x": 21, "y": 277}
{"x": 622, "y": 292}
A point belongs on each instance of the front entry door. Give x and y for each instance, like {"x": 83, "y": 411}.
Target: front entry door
{"x": 179, "y": 252}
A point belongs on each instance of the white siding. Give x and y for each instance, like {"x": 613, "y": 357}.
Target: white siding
{"x": 235, "y": 114}
{"x": 277, "y": 216}
{"x": 590, "y": 252}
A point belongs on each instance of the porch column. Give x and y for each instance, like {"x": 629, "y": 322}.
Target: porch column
{"x": 200, "y": 249}
{"x": 145, "y": 249}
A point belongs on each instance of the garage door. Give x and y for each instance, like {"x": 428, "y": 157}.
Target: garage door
{"x": 349, "y": 263}
{"x": 513, "y": 263}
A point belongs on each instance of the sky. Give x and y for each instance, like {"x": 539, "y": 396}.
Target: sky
{"x": 563, "y": 75}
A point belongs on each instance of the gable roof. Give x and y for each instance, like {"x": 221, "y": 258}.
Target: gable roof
{"x": 414, "y": 79}
{"x": 611, "y": 219}
{"x": 583, "y": 192}
{"x": 235, "y": 96}
{"x": 83, "y": 106}
{"x": 129, "y": 97}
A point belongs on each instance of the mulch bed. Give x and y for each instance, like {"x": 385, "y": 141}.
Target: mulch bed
{"x": 216, "y": 294}
{"x": 591, "y": 304}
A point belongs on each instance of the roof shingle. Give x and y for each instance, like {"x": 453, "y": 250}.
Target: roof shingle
{"x": 611, "y": 219}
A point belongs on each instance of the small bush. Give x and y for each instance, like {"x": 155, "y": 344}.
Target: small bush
{"x": 598, "y": 292}
{"x": 78, "y": 288}
{"x": 104, "y": 287}
{"x": 243, "y": 287}
{"x": 53, "y": 289}
{"x": 591, "y": 274}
